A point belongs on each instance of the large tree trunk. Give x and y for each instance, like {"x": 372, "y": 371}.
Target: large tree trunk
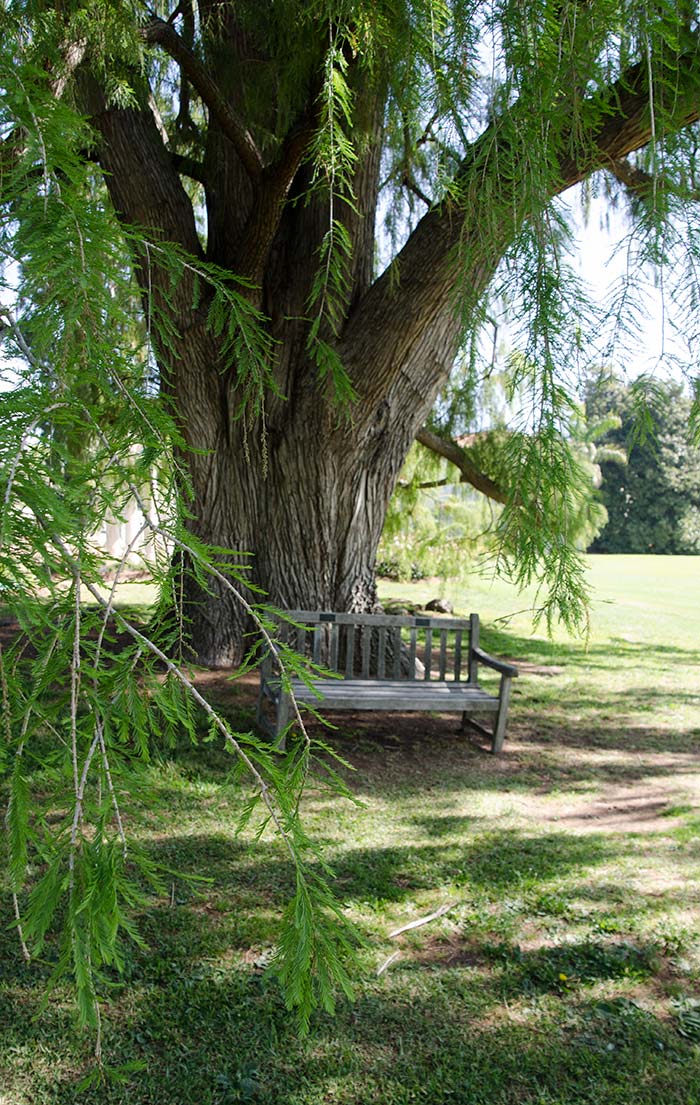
{"x": 305, "y": 506}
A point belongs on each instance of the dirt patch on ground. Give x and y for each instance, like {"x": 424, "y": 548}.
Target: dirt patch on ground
{"x": 526, "y": 667}
{"x": 419, "y": 742}
{"x": 625, "y": 811}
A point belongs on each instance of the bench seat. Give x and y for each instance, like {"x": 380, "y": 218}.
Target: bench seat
{"x": 395, "y": 695}
{"x": 393, "y": 663}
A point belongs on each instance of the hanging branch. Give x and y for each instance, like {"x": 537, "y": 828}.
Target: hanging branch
{"x": 458, "y": 456}
{"x": 185, "y": 127}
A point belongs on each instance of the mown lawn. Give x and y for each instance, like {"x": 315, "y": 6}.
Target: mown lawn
{"x": 568, "y": 968}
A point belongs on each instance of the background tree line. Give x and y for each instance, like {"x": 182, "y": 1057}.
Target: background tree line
{"x": 653, "y": 500}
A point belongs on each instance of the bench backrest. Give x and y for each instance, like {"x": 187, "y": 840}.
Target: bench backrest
{"x": 386, "y": 646}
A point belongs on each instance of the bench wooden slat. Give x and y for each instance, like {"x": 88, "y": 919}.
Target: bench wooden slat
{"x": 366, "y": 632}
{"x": 443, "y": 653}
{"x": 396, "y": 652}
{"x": 401, "y": 695}
{"x": 349, "y": 651}
{"x": 428, "y": 653}
{"x": 333, "y": 662}
{"x": 381, "y": 653}
{"x": 412, "y": 654}
{"x": 473, "y": 643}
{"x": 312, "y": 617}
{"x": 458, "y": 653}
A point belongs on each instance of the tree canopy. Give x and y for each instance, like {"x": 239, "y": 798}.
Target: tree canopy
{"x": 250, "y": 153}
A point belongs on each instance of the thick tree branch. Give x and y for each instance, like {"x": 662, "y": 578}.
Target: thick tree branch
{"x": 270, "y": 194}
{"x": 635, "y": 180}
{"x": 73, "y": 54}
{"x": 189, "y": 166}
{"x": 408, "y": 182}
{"x": 159, "y": 33}
{"x": 458, "y": 456}
{"x": 420, "y": 283}
{"x": 642, "y": 184}
{"x": 429, "y": 485}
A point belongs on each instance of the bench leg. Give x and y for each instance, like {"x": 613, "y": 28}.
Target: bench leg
{"x": 499, "y": 729}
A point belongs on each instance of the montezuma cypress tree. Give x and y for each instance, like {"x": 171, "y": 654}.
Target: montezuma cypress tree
{"x": 261, "y": 139}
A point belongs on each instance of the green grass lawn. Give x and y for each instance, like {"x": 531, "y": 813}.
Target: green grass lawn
{"x": 568, "y": 967}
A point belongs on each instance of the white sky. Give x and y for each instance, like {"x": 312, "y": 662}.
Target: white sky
{"x": 603, "y": 259}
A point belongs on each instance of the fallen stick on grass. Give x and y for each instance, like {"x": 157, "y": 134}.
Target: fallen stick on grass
{"x": 423, "y": 920}
{"x": 387, "y": 963}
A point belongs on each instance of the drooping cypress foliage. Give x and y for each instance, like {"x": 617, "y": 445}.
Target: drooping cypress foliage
{"x": 88, "y": 690}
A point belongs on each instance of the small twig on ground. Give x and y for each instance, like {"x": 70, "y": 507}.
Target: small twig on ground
{"x": 387, "y": 963}
{"x": 424, "y": 920}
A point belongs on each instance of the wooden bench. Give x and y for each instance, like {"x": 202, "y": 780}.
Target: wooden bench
{"x": 386, "y": 662}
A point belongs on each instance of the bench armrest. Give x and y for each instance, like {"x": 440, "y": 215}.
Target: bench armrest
{"x": 497, "y": 665}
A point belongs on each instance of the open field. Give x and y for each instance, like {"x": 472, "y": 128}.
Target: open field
{"x": 567, "y": 970}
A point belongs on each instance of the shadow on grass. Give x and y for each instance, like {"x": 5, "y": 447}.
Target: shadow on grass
{"x": 261, "y": 879}
{"x": 559, "y": 969}
{"x": 494, "y": 861}
{"x": 239, "y": 906}
{"x": 501, "y": 1026}
{"x": 224, "y": 1037}
{"x": 398, "y": 756}
{"x": 503, "y": 643}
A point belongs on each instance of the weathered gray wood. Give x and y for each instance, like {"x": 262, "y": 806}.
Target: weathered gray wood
{"x": 443, "y": 653}
{"x": 428, "y": 653}
{"x": 366, "y": 650}
{"x": 317, "y": 645}
{"x": 313, "y": 617}
{"x": 499, "y": 729}
{"x": 381, "y": 653}
{"x": 284, "y": 710}
{"x": 399, "y": 694}
{"x": 349, "y": 651}
{"x": 396, "y": 652}
{"x": 412, "y": 654}
{"x": 497, "y": 665}
{"x": 468, "y": 722}
{"x": 301, "y": 640}
{"x": 458, "y": 653}
{"x": 333, "y": 659}
{"x": 473, "y": 648}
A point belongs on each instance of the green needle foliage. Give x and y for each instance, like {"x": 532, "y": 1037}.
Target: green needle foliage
{"x": 88, "y": 692}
